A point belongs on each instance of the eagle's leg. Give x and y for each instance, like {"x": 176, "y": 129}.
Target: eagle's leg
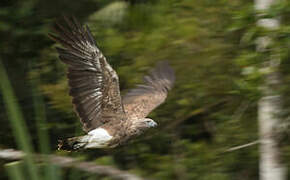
{"x": 72, "y": 144}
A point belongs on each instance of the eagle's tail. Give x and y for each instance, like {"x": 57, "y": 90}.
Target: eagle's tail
{"x": 72, "y": 144}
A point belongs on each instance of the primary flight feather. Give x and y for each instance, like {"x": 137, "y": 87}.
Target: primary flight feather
{"x": 109, "y": 119}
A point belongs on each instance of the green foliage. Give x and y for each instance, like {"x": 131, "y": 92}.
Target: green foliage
{"x": 17, "y": 122}
{"x": 14, "y": 170}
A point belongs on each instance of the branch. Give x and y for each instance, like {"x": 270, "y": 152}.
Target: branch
{"x": 11, "y": 154}
{"x": 241, "y": 110}
{"x": 243, "y": 146}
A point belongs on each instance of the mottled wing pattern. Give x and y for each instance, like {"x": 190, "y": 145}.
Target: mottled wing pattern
{"x": 94, "y": 85}
{"x": 139, "y": 102}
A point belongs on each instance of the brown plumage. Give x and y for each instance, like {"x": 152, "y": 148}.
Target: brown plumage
{"x": 94, "y": 87}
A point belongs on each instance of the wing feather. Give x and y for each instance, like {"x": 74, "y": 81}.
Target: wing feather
{"x": 139, "y": 102}
{"x": 94, "y": 85}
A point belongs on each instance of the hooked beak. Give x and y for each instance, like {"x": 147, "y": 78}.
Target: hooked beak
{"x": 154, "y": 124}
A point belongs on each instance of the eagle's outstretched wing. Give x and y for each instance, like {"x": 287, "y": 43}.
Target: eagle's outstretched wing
{"x": 94, "y": 85}
{"x": 139, "y": 102}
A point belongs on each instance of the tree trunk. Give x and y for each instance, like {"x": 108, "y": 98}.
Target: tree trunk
{"x": 270, "y": 106}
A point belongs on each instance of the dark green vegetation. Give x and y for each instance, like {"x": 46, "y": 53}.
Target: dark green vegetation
{"x": 213, "y": 106}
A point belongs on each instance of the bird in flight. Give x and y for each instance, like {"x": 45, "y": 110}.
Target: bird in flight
{"x": 108, "y": 119}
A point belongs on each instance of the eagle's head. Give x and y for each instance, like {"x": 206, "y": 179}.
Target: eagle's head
{"x": 148, "y": 123}
{"x": 141, "y": 125}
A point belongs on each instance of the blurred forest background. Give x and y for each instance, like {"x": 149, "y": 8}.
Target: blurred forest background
{"x": 211, "y": 44}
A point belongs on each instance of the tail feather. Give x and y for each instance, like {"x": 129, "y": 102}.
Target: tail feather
{"x": 71, "y": 144}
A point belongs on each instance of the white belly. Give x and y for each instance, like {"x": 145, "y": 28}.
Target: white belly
{"x": 98, "y": 138}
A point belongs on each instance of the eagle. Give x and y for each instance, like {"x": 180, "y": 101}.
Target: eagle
{"x": 108, "y": 118}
